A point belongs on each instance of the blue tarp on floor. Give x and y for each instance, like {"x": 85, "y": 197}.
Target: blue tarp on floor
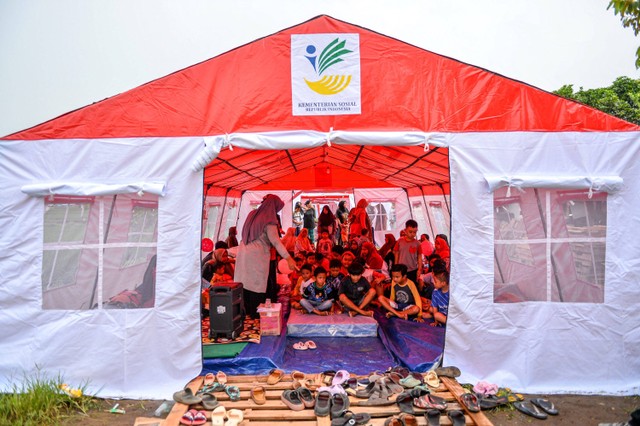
{"x": 416, "y": 346}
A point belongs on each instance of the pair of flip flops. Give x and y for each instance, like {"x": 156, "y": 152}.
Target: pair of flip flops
{"x": 303, "y": 346}
{"x": 193, "y": 417}
{"x": 539, "y": 408}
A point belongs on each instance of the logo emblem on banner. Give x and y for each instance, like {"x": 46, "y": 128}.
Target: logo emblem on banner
{"x": 325, "y": 74}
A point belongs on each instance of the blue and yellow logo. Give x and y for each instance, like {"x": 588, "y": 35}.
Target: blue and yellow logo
{"x": 331, "y": 55}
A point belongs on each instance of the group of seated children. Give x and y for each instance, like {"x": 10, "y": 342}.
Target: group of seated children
{"x": 350, "y": 284}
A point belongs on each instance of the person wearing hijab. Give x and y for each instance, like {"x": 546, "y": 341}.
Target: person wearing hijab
{"x": 442, "y": 248}
{"x": 232, "y": 240}
{"x": 259, "y": 234}
{"x": 359, "y": 219}
{"x": 326, "y": 222}
{"x": 371, "y": 257}
{"x": 303, "y": 243}
{"x": 342, "y": 214}
{"x": 289, "y": 240}
{"x": 386, "y": 251}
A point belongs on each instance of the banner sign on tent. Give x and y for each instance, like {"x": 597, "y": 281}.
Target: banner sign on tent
{"x": 325, "y": 74}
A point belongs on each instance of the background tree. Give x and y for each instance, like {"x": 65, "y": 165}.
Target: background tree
{"x": 629, "y": 11}
{"x": 621, "y": 99}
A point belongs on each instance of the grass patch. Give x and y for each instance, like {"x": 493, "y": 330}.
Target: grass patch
{"x": 41, "y": 401}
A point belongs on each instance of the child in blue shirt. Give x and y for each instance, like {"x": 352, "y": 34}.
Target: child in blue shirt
{"x": 439, "y": 309}
{"x": 316, "y": 297}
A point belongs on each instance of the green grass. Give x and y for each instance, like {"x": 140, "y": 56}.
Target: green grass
{"x": 39, "y": 401}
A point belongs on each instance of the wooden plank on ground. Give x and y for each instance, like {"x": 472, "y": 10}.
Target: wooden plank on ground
{"x": 454, "y": 387}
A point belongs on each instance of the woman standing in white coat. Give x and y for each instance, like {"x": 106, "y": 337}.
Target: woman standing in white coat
{"x": 259, "y": 234}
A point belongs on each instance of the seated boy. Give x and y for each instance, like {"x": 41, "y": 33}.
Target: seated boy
{"x": 356, "y": 292}
{"x": 440, "y": 297}
{"x": 305, "y": 279}
{"x": 405, "y": 299}
{"x": 334, "y": 280}
{"x": 316, "y": 297}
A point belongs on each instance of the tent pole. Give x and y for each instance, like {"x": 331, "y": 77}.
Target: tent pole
{"x": 106, "y": 235}
{"x": 444, "y": 195}
{"x": 205, "y": 213}
{"x": 426, "y": 210}
{"x": 224, "y": 208}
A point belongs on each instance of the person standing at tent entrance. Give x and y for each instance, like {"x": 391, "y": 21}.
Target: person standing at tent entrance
{"x": 309, "y": 220}
{"x": 342, "y": 214}
{"x": 359, "y": 219}
{"x": 259, "y": 234}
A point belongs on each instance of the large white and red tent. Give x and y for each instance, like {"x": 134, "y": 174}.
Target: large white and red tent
{"x": 422, "y": 122}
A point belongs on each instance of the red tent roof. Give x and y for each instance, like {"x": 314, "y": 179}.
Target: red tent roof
{"x": 403, "y": 88}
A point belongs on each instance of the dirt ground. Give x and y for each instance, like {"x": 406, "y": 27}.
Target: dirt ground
{"x": 579, "y": 410}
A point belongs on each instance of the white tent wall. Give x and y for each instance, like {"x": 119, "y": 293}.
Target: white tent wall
{"x": 432, "y": 214}
{"x": 252, "y": 199}
{"x": 140, "y": 353}
{"x": 401, "y": 211}
{"x": 544, "y": 347}
{"x": 220, "y": 213}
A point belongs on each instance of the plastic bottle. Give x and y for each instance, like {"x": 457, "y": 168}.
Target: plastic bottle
{"x": 267, "y": 303}
{"x": 164, "y": 408}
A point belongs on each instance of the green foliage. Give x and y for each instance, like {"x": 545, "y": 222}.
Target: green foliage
{"x": 40, "y": 401}
{"x": 629, "y": 11}
{"x": 621, "y": 99}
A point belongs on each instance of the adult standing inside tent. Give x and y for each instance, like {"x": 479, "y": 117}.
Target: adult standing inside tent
{"x": 359, "y": 219}
{"x": 342, "y": 214}
{"x": 309, "y": 220}
{"x": 232, "y": 238}
{"x": 298, "y": 215}
{"x": 326, "y": 222}
{"x": 259, "y": 234}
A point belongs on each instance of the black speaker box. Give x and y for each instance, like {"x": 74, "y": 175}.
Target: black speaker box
{"x": 225, "y": 311}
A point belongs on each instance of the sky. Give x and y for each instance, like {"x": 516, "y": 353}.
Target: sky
{"x": 57, "y": 56}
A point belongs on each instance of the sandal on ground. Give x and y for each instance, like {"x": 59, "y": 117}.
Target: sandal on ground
{"x": 323, "y": 404}
{"x": 209, "y": 378}
{"x": 430, "y": 402}
{"x": 470, "y": 401}
{"x": 300, "y": 346}
{"x": 221, "y": 377}
{"x": 408, "y": 419}
{"x": 490, "y": 402}
{"x": 432, "y": 417}
{"x": 218, "y": 415}
{"x": 456, "y": 417}
{"x": 187, "y": 418}
{"x": 209, "y": 401}
{"x": 311, "y": 344}
{"x": 306, "y": 397}
{"x": 530, "y": 410}
{"x": 339, "y": 405}
{"x": 233, "y": 392}
{"x": 405, "y": 403}
{"x": 291, "y": 399}
{"x": 393, "y": 421}
{"x": 432, "y": 379}
{"x": 452, "y": 372}
{"x": 234, "y": 417}
{"x": 186, "y": 396}
{"x": 546, "y": 405}
{"x": 340, "y": 377}
{"x": 275, "y": 376}
{"x": 258, "y": 395}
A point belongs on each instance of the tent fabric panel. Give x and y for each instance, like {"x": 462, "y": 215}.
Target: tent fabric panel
{"x": 402, "y": 87}
{"x": 543, "y": 347}
{"x": 74, "y": 342}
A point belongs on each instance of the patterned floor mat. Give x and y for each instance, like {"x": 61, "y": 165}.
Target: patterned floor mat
{"x": 250, "y": 333}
